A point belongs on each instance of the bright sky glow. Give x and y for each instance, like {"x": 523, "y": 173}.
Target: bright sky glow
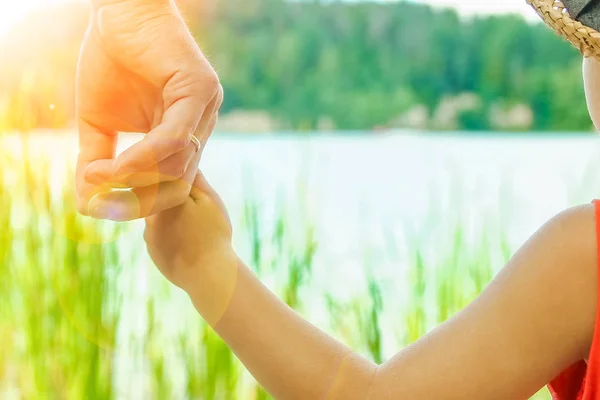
{"x": 471, "y": 7}
{"x": 11, "y": 11}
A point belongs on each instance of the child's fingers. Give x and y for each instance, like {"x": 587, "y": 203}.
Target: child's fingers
{"x": 200, "y": 186}
{"x": 201, "y": 190}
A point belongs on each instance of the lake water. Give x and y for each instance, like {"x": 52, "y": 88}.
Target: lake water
{"x": 370, "y": 198}
{"x": 360, "y": 190}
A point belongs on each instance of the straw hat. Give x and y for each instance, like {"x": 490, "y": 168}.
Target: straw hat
{"x": 578, "y": 21}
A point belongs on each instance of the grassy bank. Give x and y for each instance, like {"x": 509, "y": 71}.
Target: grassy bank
{"x": 82, "y": 307}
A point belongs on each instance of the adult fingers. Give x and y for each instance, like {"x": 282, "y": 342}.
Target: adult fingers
{"x": 201, "y": 191}
{"x": 94, "y": 144}
{"x": 99, "y": 172}
{"x": 172, "y": 168}
{"x": 209, "y": 119}
{"x": 127, "y": 205}
{"x": 180, "y": 121}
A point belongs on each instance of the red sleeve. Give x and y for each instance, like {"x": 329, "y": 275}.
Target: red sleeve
{"x": 581, "y": 381}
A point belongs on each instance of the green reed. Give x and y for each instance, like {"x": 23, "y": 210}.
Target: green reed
{"x": 6, "y": 278}
{"x": 444, "y": 284}
{"x": 59, "y": 308}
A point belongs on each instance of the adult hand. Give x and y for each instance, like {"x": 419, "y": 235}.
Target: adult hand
{"x": 140, "y": 70}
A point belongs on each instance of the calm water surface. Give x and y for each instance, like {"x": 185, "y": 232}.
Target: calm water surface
{"x": 358, "y": 191}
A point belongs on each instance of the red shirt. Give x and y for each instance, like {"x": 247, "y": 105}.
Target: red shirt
{"x": 581, "y": 381}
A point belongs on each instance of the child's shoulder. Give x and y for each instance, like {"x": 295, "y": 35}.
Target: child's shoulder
{"x": 575, "y": 228}
{"x": 578, "y": 217}
{"x": 576, "y": 235}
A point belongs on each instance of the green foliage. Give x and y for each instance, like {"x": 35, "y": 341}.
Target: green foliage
{"x": 357, "y": 65}
{"x": 56, "y": 287}
{"x": 473, "y": 120}
{"x": 364, "y": 64}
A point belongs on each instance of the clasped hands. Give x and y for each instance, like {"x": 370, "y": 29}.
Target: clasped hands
{"x": 140, "y": 70}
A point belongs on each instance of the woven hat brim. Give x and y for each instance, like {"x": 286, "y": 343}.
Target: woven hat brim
{"x": 556, "y": 16}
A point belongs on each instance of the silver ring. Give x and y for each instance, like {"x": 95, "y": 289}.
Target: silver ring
{"x": 196, "y": 143}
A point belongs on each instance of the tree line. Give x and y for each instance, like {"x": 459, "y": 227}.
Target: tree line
{"x": 361, "y": 65}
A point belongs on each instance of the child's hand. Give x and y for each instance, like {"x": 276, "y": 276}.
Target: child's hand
{"x": 191, "y": 246}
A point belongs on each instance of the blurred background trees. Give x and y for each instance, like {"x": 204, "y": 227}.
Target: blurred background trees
{"x": 332, "y": 65}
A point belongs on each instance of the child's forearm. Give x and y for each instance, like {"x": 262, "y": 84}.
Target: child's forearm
{"x": 290, "y": 357}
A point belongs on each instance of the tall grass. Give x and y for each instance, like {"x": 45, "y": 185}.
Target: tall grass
{"x": 62, "y": 314}
{"x": 445, "y": 283}
{"x": 59, "y": 310}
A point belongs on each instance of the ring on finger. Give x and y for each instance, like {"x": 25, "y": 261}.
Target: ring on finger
{"x": 196, "y": 143}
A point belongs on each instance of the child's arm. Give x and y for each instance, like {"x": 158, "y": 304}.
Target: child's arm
{"x": 535, "y": 319}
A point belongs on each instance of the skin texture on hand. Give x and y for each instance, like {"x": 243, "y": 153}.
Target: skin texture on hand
{"x": 191, "y": 245}
{"x": 534, "y": 320}
{"x": 141, "y": 71}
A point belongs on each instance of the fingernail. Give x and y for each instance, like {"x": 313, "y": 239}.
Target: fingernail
{"x": 111, "y": 211}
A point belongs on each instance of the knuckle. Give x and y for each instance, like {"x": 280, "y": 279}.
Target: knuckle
{"x": 220, "y": 97}
{"x": 176, "y": 171}
{"x": 180, "y": 143}
{"x": 211, "y": 81}
{"x": 173, "y": 170}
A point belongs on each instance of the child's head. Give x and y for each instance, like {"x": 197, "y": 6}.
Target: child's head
{"x": 578, "y": 21}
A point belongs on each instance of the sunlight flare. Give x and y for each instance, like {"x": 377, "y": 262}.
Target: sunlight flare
{"x": 11, "y": 11}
